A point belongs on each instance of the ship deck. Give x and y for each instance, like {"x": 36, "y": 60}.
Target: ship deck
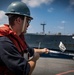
{"x": 54, "y": 66}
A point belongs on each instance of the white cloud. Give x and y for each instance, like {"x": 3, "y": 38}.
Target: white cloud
{"x": 2, "y": 13}
{"x": 63, "y": 22}
{"x": 71, "y": 2}
{"x": 61, "y": 27}
{"x": 71, "y": 5}
{"x": 35, "y": 3}
{"x": 50, "y": 9}
{"x": 3, "y": 18}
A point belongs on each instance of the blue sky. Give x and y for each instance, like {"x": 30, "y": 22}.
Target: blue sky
{"x": 58, "y": 15}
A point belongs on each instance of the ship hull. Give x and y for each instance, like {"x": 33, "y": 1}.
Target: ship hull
{"x": 50, "y": 41}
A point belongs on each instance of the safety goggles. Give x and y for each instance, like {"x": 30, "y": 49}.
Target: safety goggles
{"x": 28, "y": 20}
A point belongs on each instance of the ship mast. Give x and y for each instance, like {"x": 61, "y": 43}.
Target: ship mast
{"x": 43, "y": 24}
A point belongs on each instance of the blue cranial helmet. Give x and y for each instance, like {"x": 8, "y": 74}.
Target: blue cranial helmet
{"x": 19, "y": 8}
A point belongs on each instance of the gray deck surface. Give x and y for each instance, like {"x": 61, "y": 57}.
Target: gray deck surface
{"x": 54, "y": 66}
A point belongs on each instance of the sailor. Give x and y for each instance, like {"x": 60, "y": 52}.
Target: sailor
{"x": 14, "y": 52}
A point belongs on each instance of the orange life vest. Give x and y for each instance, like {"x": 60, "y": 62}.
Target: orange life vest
{"x": 6, "y": 31}
{"x": 18, "y": 41}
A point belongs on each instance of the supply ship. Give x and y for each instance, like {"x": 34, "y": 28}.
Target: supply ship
{"x": 62, "y": 44}
{"x": 50, "y": 41}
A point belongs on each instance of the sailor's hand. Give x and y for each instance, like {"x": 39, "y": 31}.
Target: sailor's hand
{"x": 45, "y": 50}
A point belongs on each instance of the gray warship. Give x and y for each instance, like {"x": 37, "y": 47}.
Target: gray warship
{"x": 50, "y": 41}
{"x": 62, "y": 45}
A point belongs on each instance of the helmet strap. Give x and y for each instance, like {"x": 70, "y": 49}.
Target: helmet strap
{"x": 24, "y": 23}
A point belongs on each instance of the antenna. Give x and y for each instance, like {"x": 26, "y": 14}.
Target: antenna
{"x": 39, "y": 45}
{"x": 43, "y": 24}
